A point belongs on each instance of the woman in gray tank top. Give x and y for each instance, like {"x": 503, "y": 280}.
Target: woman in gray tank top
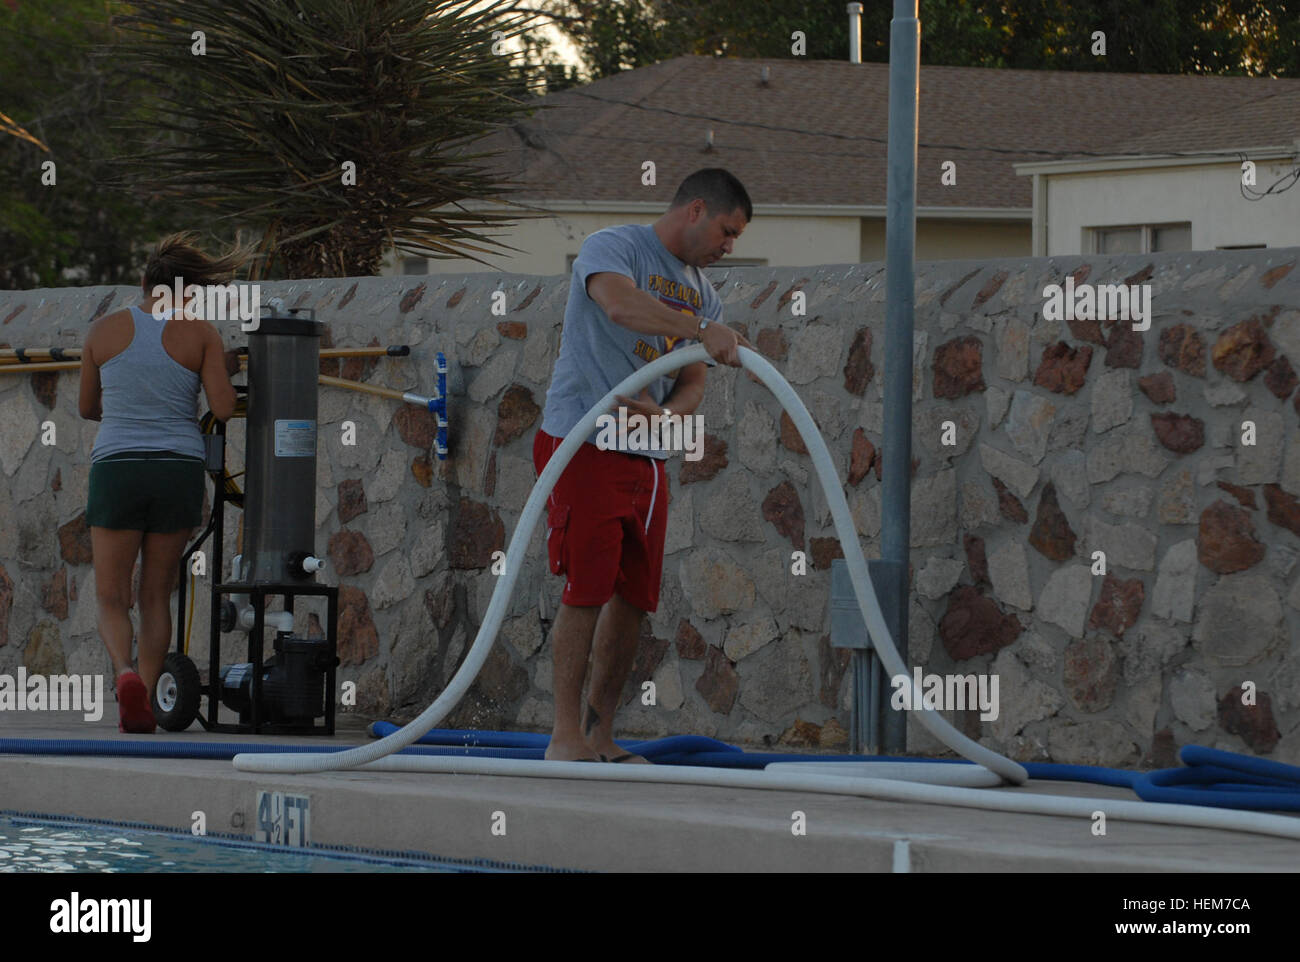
{"x": 140, "y": 378}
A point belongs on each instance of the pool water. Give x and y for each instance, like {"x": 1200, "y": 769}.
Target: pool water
{"x": 39, "y": 845}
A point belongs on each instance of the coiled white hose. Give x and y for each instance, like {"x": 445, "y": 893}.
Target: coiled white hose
{"x": 373, "y": 755}
{"x": 536, "y": 503}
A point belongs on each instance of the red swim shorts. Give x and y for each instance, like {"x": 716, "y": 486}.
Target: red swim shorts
{"x": 605, "y": 524}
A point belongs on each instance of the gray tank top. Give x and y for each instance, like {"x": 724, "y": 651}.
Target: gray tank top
{"x": 150, "y": 401}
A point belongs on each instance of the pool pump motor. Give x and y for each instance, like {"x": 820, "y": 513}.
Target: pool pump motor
{"x": 293, "y": 682}
{"x": 287, "y": 692}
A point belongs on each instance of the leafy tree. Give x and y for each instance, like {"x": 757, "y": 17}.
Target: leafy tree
{"x": 55, "y": 95}
{"x": 1273, "y": 35}
{"x": 263, "y": 127}
{"x": 1258, "y": 37}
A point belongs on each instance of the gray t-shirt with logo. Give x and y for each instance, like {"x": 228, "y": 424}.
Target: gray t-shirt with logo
{"x": 596, "y": 353}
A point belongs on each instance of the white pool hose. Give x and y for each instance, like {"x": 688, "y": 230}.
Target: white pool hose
{"x": 536, "y": 504}
{"x": 782, "y": 778}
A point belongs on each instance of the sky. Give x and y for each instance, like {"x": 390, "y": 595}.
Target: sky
{"x": 562, "y": 48}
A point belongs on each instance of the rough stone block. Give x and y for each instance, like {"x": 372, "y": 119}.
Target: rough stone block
{"x": 747, "y": 638}
{"x": 1069, "y": 473}
{"x": 934, "y": 509}
{"x": 1240, "y": 620}
{"x": 1112, "y": 400}
{"x": 1261, "y": 462}
{"x": 714, "y": 584}
{"x": 1192, "y": 697}
{"x": 938, "y": 577}
{"x": 815, "y": 352}
{"x": 731, "y": 513}
{"x": 1126, "y": 545}
{"x": 1015, "y": 474}
{"x": 1174, "y": 595}
{"x": 1009, "y": 573}
{"x": 1033, "y": 701}
{"x": 1029, "y": 423}
{"x": 1090, "y": 673}
{"x": 1064, "y": 599}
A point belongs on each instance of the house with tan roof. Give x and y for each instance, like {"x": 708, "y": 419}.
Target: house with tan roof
{"x": 1010, "y": 162}
{"x": 1227, "y": 177}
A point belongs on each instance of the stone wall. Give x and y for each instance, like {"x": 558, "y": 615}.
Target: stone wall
{"x": 1068, "y": 438}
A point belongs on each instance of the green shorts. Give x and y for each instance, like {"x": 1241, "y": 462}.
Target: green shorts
{"x": 151, "y": 491}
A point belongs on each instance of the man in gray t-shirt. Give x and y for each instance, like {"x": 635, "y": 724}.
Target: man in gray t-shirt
{"x": 596, "y": 354}
{"x": 637, "y": 292}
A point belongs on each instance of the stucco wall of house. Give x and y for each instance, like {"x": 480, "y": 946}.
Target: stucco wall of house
{"x": 1207, "y": 195}
{"x": 954, "y": 239}
{"x": 547, "y": 243}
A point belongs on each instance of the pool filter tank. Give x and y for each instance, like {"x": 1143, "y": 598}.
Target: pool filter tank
{"x": 280, "y": 454}
{"x": 278, "y": 556}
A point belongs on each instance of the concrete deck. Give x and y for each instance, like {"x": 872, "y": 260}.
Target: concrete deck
{"x": 605, "y": 826}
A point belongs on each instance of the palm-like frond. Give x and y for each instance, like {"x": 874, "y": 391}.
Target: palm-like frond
{"x": 11, "y": 127}
{"x": 257, "y": 129}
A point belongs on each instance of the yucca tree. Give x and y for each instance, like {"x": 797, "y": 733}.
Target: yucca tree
{"x": 257, "y": 129}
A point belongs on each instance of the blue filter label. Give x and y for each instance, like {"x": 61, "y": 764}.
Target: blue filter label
{"x": 295, "y": 439}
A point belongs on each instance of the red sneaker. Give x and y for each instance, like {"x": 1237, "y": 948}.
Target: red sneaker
{"x": 135, "y": 715}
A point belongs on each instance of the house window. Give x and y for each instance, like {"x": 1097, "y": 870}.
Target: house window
{"x": 1141, "y": 238}
{"x": 1117, "y": 240}
{"x": 1171, "y": 237}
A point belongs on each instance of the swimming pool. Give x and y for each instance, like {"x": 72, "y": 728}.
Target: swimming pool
{"x": 30, "y": 844}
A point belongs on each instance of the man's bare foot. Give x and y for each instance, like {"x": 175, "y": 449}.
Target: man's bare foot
{"x": 575, "y": 750}
{"x": 612, "y": 753}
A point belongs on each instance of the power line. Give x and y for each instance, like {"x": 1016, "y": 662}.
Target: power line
{"x": 541, "y": 142}
{"x": 1250, "y": 193}
{"x": 881, "y": 140}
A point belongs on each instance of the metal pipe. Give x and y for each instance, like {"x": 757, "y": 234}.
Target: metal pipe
{"x": 324, "y": 379}
{"x": 28, "y": 356}
{"x": 855, "y": 32}
{"x": 11, "y": 368}
{"x": 393, "y": 350}
{"x": 22, "y": 355}
{"x": 900, "y": 251}
{"x": 387, "y": 392}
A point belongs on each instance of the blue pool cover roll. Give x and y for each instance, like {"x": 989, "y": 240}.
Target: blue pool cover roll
{"x": 1210, "y": 777}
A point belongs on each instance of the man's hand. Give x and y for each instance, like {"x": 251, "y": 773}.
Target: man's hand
{"x": 642, "y": 404}
{"x": 722, "y": 343}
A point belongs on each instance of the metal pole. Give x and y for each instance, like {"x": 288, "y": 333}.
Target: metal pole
{"x": 855, "y": 32}
{"x": 19, "y": 356}
{"x": 900, "y": 252}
